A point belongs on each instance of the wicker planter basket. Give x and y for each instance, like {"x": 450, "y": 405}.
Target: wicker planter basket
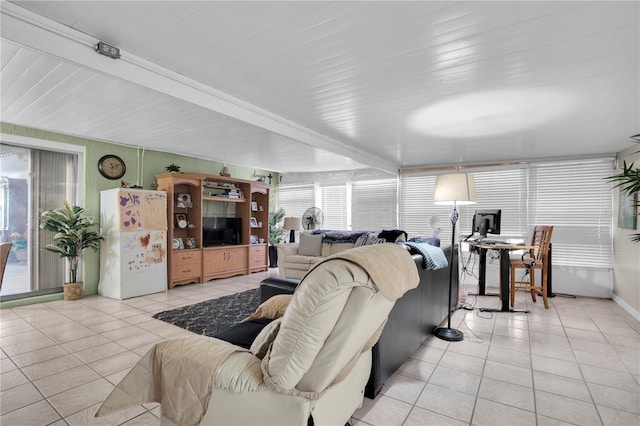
{"x": 72, "y": 291}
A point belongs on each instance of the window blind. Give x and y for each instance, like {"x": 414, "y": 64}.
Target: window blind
{"x": 295, "y": 199}
{"x": 334, "y": 206}
{"x": 576, "y": 199}
{"x": 417, "y": 208}
{"x": 374, "y": 204}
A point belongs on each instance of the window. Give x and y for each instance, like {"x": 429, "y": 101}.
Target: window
{"x": 374, "y": 204}
{"x": 575, "y": 198}
{"x": 295, "y": 199}
{"x": 334, "y": 206}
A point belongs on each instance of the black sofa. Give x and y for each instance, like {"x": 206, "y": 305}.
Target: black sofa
{"x": 410, "y": 322}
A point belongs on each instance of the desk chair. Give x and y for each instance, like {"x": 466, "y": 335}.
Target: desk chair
{"x": 5, "y": 248}
{"x": 535, "y": 258}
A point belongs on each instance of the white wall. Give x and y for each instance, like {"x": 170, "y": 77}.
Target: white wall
{"x": 626, "y": 254}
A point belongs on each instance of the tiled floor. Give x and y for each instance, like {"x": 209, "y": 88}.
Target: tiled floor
{"x": 576, "y": 363}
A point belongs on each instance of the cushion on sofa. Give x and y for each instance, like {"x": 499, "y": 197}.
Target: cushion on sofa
{"x": 272, "y": 308}
{"x": 310, "y": 245}
{"x": 297, "y": 259}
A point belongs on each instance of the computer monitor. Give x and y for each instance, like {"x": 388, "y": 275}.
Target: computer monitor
{"x": 487, "y": 222}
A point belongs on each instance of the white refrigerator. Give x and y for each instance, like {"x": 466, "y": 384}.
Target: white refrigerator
{"x": 133, "y": 255}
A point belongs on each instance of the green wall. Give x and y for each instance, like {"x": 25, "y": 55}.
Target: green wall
{"x": 154, "y": 163}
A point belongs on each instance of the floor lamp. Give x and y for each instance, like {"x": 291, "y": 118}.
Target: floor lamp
{"x": 453, "y": 190}
{"x": 292, "y": 224}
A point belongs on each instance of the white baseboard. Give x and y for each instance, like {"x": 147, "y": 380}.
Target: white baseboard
{"x": 624, "y": 305}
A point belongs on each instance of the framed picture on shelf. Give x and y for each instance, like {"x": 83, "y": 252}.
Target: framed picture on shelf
{"x": 261, "y": 208}
{"x": 254, "y": 206}
{"x": 191, "y": 243}
{"x": 184, "y": 201}
{"x": 253, "y": 239}
{"x": 254, "y": 222}
{"x": 177, "y": 244}
{"x": 181, "y": 220}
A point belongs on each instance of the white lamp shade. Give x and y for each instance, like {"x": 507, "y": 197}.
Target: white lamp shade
{"x": 292, "y": 223}
{"x": 455, "y": 188}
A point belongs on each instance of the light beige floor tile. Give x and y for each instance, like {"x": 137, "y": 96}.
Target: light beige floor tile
{"x": 506, "y": 356}
{"x": 614, "y": 417}
{"x": 18, "y": 397}
{"x": 447, "y": 402}
{"x": 550, "y": 351}
{"x": 592, "y": 336}
{"x": 546, "y": 328}
{"x": 478, "y": 350}
{"x": 383, "y": 411}
{"x": 19, "y": 338}
{"x": 86, "y": 417}
{"x": 567, "y": 409}
{"x": 508, "y": 373}
{"x": 428, "y": 354}
{"x": 586, "y": 325}
{"x": 588, "y": 346}
{"x": 146, "y": 419}
{"x": 115, "y": 363}
{"x": 66, "y": 380}
{"x": 51, "y": 366}
{"x": 457, "y": 361}
{"x": 510, "y": 343}
{"x": 15, "y": 327}
{"x": 561, "y": 385}
{"x": 121, "y": 333}
{"x": 491, "y": 413}
{"x": 39, "y": 355}
{"x": 127, "y": 313}
{"x": 138, "y": 340}
{"x": 137, "y": 319}
{"x": 11, "y": 379}
{"x": 515, "y": 333}
{"x": 99, "y": 352}
{"x": 417, "y": 369}
{"x": 422, "y": 417}
{"x": 455, "y": 380}
{"x": 615, "y": 398}
{"x": 549, "y": 339}
{"x": 7, "y": 365}
{"x": 614, "y": 379}
{"x": 556, "y": 366}
{"x": 32, "y": 345}
{"x": 548, "y": 421}
{"x": 507, "y": 393}
{"x": 611, "y": 362}
{"x": 108, "y": 326}
{"x": 403, "y": 388}
{"x": 85, "y": 342}
{"x": 81, "y": 397}
{"x": 116, "y": 377}
{"x": 39, "y": 413}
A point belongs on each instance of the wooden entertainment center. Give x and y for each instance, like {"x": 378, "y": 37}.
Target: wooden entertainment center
{"x": 194, "y": 256}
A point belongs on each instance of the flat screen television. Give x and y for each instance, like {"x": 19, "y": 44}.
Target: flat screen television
{"x": 220, "y": 231}
{"x": 487, "y": 222}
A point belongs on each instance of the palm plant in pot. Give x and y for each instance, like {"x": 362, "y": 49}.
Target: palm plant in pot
{"x": 275, "y": 235}
{"x": 74, "y": 232}
{"x": 629, "y": 183}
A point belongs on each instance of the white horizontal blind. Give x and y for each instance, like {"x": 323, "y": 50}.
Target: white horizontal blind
{"x": 334, "y": 206}
{"x": 417, "y": 208}
{"x": 295, "y": 199}
{"x": 576, "y": 199}
{"x": 504, "y": 189}
{"x": 374, "y": 204}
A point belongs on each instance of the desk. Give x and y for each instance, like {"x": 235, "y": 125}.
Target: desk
{"x": 504, "y": 249}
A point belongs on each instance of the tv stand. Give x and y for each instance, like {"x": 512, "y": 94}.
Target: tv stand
{"x": 189, "y": 195}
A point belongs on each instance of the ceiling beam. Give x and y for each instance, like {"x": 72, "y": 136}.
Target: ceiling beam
{"x": 39, "y": 33}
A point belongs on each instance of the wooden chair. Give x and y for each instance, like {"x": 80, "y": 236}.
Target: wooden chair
{"x": 530, "y": 261}
{"x": 5, "y": 248}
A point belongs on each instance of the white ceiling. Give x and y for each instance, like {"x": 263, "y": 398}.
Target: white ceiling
{"x": 323, "y": 86}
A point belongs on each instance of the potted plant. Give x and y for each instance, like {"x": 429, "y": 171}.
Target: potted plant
{"x": 275, "y": 235}
{"x": 629, "y": 182}
{"x": 73, "y": 233}
{"x": 173, "y": 168}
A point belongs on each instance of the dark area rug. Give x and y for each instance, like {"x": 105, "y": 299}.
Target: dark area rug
{"x": 211, "y": 316}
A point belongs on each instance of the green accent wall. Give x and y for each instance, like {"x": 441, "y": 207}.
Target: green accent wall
{"x": 151, "y": 163}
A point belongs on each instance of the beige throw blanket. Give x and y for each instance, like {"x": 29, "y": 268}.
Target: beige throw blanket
{"x": 375, "y": 259}
{"x": 177, "y": 373}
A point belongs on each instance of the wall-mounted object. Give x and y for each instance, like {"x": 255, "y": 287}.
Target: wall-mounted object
{"x": 107, "y": 50}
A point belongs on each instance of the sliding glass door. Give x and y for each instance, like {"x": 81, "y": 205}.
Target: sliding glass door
{"x": 32, "y": 180}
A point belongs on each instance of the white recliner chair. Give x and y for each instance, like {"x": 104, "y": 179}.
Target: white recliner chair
{"x": 308, "y": 367}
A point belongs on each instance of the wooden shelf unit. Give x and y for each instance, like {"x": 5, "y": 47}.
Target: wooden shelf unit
{"x": 209, "y": 196}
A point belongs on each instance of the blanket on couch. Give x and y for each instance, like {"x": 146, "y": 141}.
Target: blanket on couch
{"x": 433, "y": 256}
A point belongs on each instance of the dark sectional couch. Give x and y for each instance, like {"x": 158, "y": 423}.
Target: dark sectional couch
{"x": 410, "y": 322}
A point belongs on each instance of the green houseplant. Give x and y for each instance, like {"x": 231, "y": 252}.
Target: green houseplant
{"x": 74, "y": 232}
{"x": 275, "y": 235}
{"x": 629, "y": 182}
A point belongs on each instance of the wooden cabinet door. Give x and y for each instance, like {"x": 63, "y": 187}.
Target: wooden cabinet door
{"x": 185, "y": 265}
{"x": 257, "y": 258}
